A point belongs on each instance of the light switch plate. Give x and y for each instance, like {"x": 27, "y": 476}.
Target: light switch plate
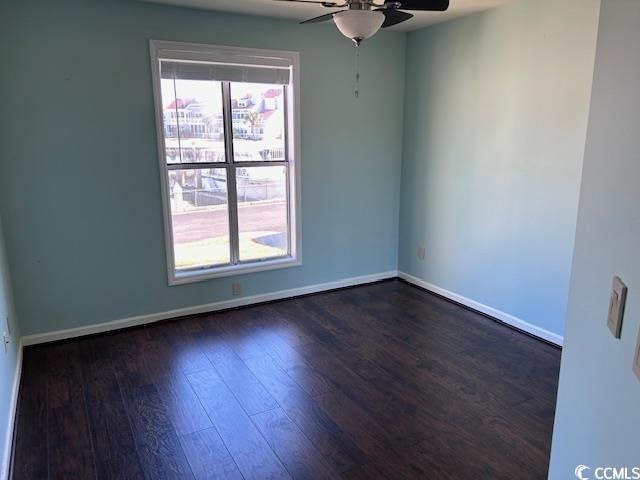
{"x": 636, "y": 359}
{"x": 616, "y": 306}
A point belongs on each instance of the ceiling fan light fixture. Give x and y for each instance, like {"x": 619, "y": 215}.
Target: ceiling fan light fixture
{"x": 358, "y": 24}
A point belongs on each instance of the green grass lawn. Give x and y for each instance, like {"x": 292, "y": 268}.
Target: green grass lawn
{"x": 215, "y": 251}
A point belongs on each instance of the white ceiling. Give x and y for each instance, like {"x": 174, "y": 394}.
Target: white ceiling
{"x": 301, "y": 11}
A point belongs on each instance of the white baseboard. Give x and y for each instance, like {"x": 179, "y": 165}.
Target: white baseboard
{"x": 13, "y": 408}
{"x": 492, "y": 312}
{"x": 293, "y": 292}
{"x": 208, "y": 307}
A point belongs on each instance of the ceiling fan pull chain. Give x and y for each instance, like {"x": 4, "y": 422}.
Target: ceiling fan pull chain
{"x": 357, "y": 93}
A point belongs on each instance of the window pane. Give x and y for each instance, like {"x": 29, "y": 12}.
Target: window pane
{"x": 200, "y": 218}
{"x": 193, "y": 121}
{"x": 257, "y": 113}
{"x": 262, "y": 212}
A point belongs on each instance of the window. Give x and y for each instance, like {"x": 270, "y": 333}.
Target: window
{"x": 229, "y": 158}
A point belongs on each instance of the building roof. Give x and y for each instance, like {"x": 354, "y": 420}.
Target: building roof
{"x": 181, "y": 103}
{"x": 272, "y": 93}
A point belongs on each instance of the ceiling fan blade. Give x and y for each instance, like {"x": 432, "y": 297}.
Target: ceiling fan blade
{"x": 317, "y": 2}
{"x": 393, "y": 17}
{"x": 429, "y": 5}
{"x": 322, "y": 18}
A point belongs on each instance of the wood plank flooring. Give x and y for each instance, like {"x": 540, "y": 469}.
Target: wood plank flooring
{"x": 383, "y": 381}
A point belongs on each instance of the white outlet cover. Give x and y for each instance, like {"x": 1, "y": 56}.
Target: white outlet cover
{"x": 616, "y": 306}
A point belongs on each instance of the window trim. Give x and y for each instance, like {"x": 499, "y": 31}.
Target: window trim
{"x": 198, "y": 52}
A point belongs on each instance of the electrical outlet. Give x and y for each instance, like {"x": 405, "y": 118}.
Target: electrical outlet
{"x": 616, "y": 306}
{"x": 235, "y": 288}
{"x": 421, "y": 252}
{"x": 6, "y": 341}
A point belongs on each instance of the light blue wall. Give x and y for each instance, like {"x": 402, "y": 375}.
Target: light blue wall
{"x": 496, "y": 109}
{"x": 9, "y": 358}
{"x": 598, "y": 417}
{"x": 80, "y": 187}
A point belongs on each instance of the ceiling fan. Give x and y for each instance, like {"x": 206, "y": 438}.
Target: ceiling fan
{"x": 361, "y": 19}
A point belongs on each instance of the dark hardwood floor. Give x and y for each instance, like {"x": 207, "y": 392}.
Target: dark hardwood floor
{"x": 382, "y": 381}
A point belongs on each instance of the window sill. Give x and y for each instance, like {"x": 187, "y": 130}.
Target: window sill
{"x": 181, "y": 278}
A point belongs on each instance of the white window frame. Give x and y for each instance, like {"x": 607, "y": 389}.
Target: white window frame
{"x": 164, "y": 50}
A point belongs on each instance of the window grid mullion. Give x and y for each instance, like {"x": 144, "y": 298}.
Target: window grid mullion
{"x": 196, "y": 166}
{"x": 246, "y": 164}
{"x": 232, "y": 196}
{"x": 261, "y": 163}
{"x": 175, "y": 100}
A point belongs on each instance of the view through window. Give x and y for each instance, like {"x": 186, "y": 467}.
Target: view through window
{"x": 227, "y": 166}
